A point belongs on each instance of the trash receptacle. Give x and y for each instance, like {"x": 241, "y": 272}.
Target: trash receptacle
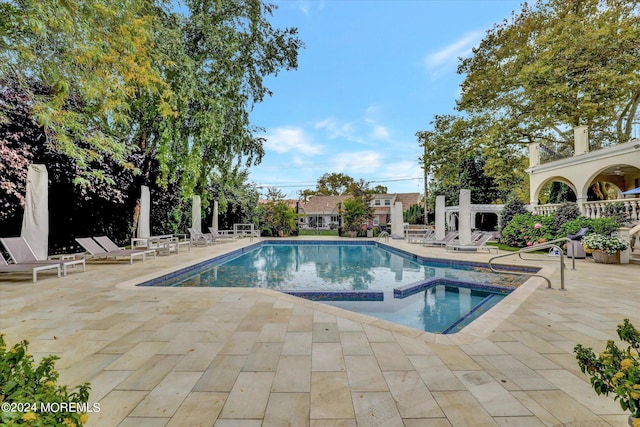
{"x": 575, "y": 249}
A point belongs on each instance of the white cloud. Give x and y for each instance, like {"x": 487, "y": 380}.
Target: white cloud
{"x": 437, "y": 63}
{"x": 337, "y": 129}
{"x": 357, "y": 161}
{"x": 380, "y": 132}
{"x": 286, "y": 139}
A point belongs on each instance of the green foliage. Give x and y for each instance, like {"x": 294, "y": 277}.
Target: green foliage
{"x": 278, "y": 218}
{"x": 616, "y": 370}
{"x": 354, "y": 213}
{"x": 566, "y": 212}
{"x": 414, "y": 214}
{"x": 604, "y": 226}
{"x": 512, "y": 207}
{"x": 528, "y": 230}
{"x": 616, "y": 211}
{"x": 24, "y": 382}
{"x": 555, "y": 65}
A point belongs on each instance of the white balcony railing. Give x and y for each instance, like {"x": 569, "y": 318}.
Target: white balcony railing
{"x": 597, "y": 209}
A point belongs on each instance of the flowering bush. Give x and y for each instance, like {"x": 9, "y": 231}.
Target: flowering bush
{"x": 527, "y": 230}
{"x": 616, "y": 370}
{"x": 607, "y": 244}
{"x": 25, "y": 389}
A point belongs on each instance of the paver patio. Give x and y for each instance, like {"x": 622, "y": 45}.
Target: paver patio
{"x": 255, "y": 357}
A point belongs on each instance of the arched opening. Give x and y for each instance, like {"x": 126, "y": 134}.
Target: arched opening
{"x": 555, "y": 191}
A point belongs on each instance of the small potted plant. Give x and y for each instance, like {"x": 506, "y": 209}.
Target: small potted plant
{"x": 605, "y": 249}
{"x": 616, "y": 370}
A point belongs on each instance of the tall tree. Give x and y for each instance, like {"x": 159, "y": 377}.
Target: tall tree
{"x": 554, "y": 66}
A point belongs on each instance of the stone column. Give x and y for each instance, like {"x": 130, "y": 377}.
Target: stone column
{"x": 440, "y": 218}
{"x": 464, "y": 221}
{"x": 580, "y": 140}
{"x": 214, "y": 220}
{"x": 623, "y": 233}
{"x": 534, "y": 154}
{"x": 397, "y": 223}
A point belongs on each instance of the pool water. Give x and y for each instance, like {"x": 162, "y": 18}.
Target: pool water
{"x": 427, "y": 294}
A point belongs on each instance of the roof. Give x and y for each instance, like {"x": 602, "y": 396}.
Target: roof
{"x": 323, "y": 204}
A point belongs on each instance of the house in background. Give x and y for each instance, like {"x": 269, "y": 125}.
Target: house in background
{"x": 323, "y": 212}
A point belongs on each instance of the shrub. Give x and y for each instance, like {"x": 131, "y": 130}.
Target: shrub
{"x": 528, "y": 230}
{"x": 512, "y": 207}
{"x": 615, "y": 370}
{"x": 604, "y": 226}
{"x": 24, "y": 383}
{"x": 566, "y": 212}
{"x": 616, "y": 211}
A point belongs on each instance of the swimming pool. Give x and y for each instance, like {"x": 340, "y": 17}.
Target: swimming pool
{"x": 430, "y": 294}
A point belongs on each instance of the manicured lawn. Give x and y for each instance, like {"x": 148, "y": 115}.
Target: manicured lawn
{"x": 318, "y": 232}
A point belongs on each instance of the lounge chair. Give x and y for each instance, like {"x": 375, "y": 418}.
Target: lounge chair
{"x": 110, "y": 246}
{"x": 447, "y": 238}
{"x": 217, "y": 237}
{"x": 21, "y": 253}
{"x": 32, "y": 268}
{"x": 96, "y": 251}
{"x": 200, "y": 239}
{"x": 480, "y": 244}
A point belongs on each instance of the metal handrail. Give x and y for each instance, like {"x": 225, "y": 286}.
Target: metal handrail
{"x": 385, "y": 235}
{"x": 532, "y": 249}
{"x": 538, "y": 247}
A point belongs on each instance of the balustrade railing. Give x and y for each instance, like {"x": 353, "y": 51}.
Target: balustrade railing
{"x": 597, "y": 209}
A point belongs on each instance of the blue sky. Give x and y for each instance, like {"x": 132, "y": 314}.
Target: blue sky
{"x": 373, "y": 73}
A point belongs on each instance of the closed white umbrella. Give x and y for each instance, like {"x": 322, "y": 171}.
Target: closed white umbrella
{"x": 196, "y": 216}
{"x": 144, "y": 220}
{"x": 35, "y": 222}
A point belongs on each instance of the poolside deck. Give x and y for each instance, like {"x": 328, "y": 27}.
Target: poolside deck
{"x": 254, "y": 357}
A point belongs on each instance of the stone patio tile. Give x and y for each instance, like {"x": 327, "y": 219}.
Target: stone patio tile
{"x": 327, "y": 357}
{"x": 126, "y": 342}
{"x": 376, "y": 409}
{"x": 462, "y": 409}
{"x": 198, "y": 409}
{"x": 355, "y": 343}
{"x": 391, "y": 357}
{"x": 413, "y": 345}
{"x": 518, "y": 373}
{"x": 376, "y": 334}
{"x": 580, "y": 389}
{"x": 150, "y": 374}
{"x": 519, "y": 421}
{"x": 86, "y": 368}
{"x": 287, "y": 409}
{"x": 334, "y": 423}
{"x": 142, "y": 421}
{"x": 435, "y": 374}
{"x": 413, "y": 398}
{"x": 494, "y": 398}
{"x": 221, "y": 374}
{"x": 249, "y": 396}
{"x": 524, "y": 354}
{"x": 431, "y": 422}
{"x": 293, "y": 375}
{"x": 273, "y": 332}
{"x": 325, "y": 332}
{"x": 103, "y": 383}
{"x": 564, "y": 408}
{"x": 136, "y": 357}
{"x": 297, "y": 344}
{"x": 264, "y": 356}
{"x": 454, "y": 357}
{"x": 301, "y": 323}
{"x": 200, "y": 357}
{"x": 364, "y": 374}
{"x": 348, "y": 325}
{"x": 240, "y": 343}
{"x": 167, "y": 396}
{"x": 115, "y": 407}
{"x": 330, "y": 396}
